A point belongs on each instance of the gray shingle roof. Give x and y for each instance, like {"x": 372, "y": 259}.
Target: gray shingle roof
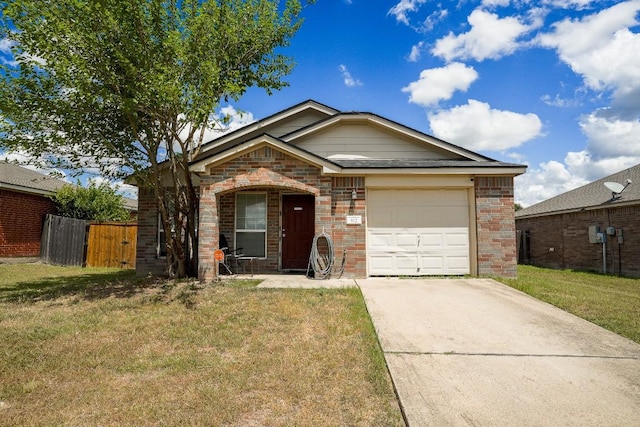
{"x": 18, "y": 178}
{"x": 590, "y": 196}
{"x": 22, "y": 179}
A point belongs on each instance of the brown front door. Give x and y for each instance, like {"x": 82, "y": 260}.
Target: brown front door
{"x": 298, "y": 228}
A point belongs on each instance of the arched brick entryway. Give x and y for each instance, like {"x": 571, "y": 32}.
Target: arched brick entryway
{"x": 302, "y": 178}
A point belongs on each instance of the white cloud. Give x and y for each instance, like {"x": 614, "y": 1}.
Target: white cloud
{"x": 437, "y": 84}
{"x": 568, "y": 4}
{"x": 235, "y": 119}
{"x": 557, "y": 101}
{"x": 401, "y": 9}
{"x": 226, "y": 120}
{"x": 552, "y": 178}
{"x": 611, "y": 137}
{"x": 416, "y": 51}
{"x": 431, "y": 20}
{"x": 613, "y": 145}
{"x": 490, "y": 37}
{"x": 5, "y": 45}
{"x": 6, "y": 56}
{"x": 601, "y": 48}
{"x": 121, "y": 188}
{"x": 349, "y": 80}
{"x": 495, "y": 3}
{"x": 476, "y": 126}
{"x": 547, "y": 180}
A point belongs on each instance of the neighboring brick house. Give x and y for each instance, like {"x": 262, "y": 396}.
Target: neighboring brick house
{"x": 562, "y": 232}
{"x": 24, "y": 203}
{"x": 394, "y": 200}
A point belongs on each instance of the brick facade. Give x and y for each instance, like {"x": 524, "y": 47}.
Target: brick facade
{"x": 562, "y": 241}
{"x": 147, "y": 260}
{"x": 275, "y": 173}
{"x": 284, "y": 175}
{"x": 21, "y": 219}
{"x": 495, "y": 219}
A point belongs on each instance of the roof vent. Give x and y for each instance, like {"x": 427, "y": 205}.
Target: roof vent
{"x": 616, "y": 188}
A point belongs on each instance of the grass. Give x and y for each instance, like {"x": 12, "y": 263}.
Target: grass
{"x": 101, "y": 347}
{"x": 609, "y": 301}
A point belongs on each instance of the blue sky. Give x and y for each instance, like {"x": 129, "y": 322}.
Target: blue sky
{"x": 553, "y": 84}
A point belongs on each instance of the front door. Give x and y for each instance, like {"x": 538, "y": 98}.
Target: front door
{"x": 298, "y": 228}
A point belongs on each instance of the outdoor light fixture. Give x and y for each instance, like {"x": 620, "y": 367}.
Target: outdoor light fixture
{"x": 354, "y": 194}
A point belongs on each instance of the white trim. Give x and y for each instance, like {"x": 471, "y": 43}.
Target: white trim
{"x": 26, "y": 190}
{"x": 266, "y": 221}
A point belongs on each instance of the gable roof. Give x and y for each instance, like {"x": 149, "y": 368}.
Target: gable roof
{"x": 374, "y": 119}
{"x": 261, "y": 126}
{"x": 591, "y": 196}
{"x": 459, "y": 159}
{"x": 18, "y": 178}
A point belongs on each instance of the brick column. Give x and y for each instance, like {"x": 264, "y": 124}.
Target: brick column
{"x": 208, "y": 231}
{"x": 147, "y": 260}
{"x": 495, "y": 217}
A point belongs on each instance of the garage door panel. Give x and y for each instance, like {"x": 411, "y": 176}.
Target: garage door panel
{"x": 458, "y": 263}
{"x": 418, "y": 232}
{"x": 393, "y": 265}
{"x": 458, "y": 239}
{"x": 406, "y": 240}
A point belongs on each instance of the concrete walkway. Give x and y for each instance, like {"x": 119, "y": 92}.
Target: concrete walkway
{"x": 475, "y": 352}
{"x": 298, "y": 281}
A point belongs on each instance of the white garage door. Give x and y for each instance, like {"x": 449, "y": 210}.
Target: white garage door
{"x": 417, "y": 232}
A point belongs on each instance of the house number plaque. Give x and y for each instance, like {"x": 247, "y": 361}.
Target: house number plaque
{"x": 354, "y": 219}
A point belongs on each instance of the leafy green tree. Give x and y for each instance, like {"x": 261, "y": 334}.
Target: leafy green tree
{"x": 129, "y": 87}
{"x": 517, "y": 207}
{"x": 96, "y": 203}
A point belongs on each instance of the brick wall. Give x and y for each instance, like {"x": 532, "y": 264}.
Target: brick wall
{"x": 264, "y": 169}
{"x": 21, "y": 220}
{"x": 562, "y": 241}
{"x": 349, "y": 238}
{"x": 147, "y": 260}
{"x": 495, "y": 218}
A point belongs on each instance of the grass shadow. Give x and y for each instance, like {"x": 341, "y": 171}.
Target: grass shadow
{"x": 90, "y": 286}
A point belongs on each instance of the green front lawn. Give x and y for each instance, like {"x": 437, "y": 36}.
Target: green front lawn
{"x": 101, "y": 347}
{"x": 609, "y": 301}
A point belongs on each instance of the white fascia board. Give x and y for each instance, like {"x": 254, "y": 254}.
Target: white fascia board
{"x": 435, "y": 171}
{"x": 26, "y": 190}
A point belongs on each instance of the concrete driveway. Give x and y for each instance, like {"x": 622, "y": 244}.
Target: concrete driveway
{"x": 475, "y": 352}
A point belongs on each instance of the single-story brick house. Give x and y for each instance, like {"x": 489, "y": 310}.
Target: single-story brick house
{"x": 24, "y": 203}
{"x": 394, "y": 200}
{"x": 589, "y": 228}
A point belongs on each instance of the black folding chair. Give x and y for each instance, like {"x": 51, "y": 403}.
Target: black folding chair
{"x": 231, "y": 256}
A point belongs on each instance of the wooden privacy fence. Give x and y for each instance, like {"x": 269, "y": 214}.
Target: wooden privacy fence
{"x": 70, "y": 241}
{"x": 112, "y": 244}
{"x": 63, "y": 240}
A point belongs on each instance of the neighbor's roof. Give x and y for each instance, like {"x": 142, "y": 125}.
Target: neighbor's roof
{"x": 18, "y": 178}
{"x": 591, "y": 196}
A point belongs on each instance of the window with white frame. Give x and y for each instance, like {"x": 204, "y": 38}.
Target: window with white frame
{"x": 251, "y": 224}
